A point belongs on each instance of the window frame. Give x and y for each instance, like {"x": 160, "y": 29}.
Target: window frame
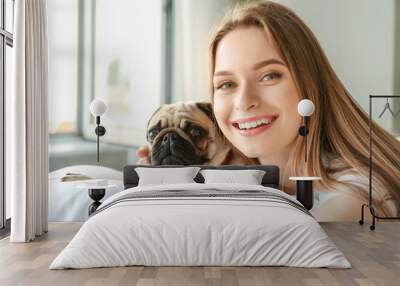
{"x": 6, "y": 39}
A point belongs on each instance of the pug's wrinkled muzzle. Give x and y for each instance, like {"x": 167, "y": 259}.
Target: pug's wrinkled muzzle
{"x": 173, "y": 149}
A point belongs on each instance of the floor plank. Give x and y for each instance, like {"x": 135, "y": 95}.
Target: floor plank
{"x": 374, "y": 255}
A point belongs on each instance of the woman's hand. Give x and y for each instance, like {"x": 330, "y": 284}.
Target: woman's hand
{"x": 143, "y": 153}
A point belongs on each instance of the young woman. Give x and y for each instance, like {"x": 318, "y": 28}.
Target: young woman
{"x": 263, "y": 60}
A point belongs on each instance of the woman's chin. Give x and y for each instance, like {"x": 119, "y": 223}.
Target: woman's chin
{"x": 257, "y": 148}
{"x": 252, "y": 151}
{"x": 251, "y": 147}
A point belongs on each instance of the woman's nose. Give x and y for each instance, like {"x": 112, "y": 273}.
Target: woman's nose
{"x": 247, "y": 98}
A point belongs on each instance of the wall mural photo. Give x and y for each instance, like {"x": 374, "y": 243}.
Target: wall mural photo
{"x": 231, "y": 82}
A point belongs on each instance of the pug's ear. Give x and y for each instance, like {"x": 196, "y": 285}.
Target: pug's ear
{"x": 207, "y": 108}
{"x": 154, "y": 113}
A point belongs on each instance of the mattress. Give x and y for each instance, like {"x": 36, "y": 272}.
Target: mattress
{"x": 201, "y": 225}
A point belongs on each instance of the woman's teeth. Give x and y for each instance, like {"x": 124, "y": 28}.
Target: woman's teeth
{"x": 254, "y": 124}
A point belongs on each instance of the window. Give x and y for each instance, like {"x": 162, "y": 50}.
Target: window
{"x": 63, "y": 66}
{"x": 6, "y": 43}
{"x": 125, "y": 66}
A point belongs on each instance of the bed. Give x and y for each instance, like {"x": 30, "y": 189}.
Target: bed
{"x": 69, "y": 203}
{"x": 201, "y": 224}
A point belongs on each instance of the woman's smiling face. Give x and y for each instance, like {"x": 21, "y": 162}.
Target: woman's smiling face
{"x": 255, "y": 97}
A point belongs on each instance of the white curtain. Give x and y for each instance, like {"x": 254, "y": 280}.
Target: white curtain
{"x": 27, "y": 123}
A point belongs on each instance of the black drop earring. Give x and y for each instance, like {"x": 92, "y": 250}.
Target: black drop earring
{"x": 100, "y": 131}
{"x": 303, "y": 131}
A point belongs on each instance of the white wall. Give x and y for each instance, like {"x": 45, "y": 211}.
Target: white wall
{"x": 358, "y": 37}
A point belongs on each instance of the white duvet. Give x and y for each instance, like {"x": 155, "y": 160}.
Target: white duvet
{"x": 200, "y": 231}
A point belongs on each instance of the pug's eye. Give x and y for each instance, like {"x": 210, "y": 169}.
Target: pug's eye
{"x": 195, "y": 132}
{"x": 152, "y": 134}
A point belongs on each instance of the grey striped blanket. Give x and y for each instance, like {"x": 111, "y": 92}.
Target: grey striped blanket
{"x": 205, "y": 194}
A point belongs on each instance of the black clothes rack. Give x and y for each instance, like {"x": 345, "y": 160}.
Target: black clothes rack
{"x": 369, "y": 205}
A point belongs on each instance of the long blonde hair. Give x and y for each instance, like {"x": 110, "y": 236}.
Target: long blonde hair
{"x": 339, "y": 126}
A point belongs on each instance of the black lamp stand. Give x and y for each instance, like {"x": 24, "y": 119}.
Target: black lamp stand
{"x": 305, "y": 193}
{"x": 96, "y": 195}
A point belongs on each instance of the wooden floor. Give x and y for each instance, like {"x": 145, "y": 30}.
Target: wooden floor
{"x": 374, "y": 255}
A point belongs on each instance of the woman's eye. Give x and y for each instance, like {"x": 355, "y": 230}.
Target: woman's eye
{"x": 226, "y": 85}
{"x": 271, "y": 76}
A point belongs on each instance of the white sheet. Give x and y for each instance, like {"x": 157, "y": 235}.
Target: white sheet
{"x": 206, "y": 231}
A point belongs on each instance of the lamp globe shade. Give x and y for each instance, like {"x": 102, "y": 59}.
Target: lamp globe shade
{"x": 97, "y": 107}
{"x": 305, "y": 107}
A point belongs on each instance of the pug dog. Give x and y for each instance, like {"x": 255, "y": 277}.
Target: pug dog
{"x": 186, "y": 133}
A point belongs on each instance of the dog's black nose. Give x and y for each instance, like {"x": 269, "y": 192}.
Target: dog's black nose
{"x": 169, "y": 137}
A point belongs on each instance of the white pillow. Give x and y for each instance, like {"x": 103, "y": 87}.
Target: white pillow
{"x": 162, "y": 176}
{"x": 249, "y": 177}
